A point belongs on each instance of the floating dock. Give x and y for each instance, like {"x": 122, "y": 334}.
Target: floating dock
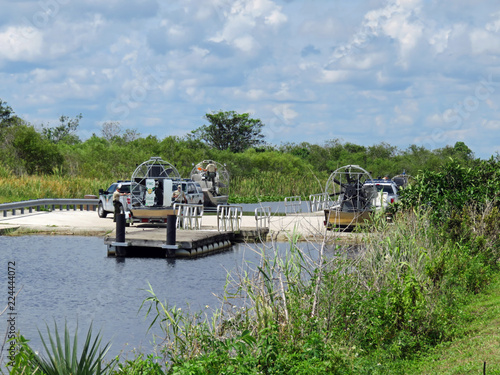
{"x": 151, "y": 241}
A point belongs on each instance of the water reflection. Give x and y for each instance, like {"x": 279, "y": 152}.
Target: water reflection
{"x": 72, "y": 279}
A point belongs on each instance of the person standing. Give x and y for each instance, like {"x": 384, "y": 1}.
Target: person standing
{"x": 212, "y": 173}
{"x": 116, "y": 201}
{"x": 179, "y": 196}
{"x": 158, "y": 193}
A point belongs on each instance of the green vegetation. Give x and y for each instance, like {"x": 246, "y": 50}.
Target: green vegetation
{"x": 420, "y": 296}
{"x": 230, "y": 131}
{"x": 259, "y": 172}
{"x": 63, "y": 357}
{"x": 381, "y": 312}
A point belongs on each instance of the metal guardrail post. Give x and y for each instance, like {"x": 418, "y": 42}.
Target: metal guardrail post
{"x": 38, "y": 203}
{"x": 263, "y": 217}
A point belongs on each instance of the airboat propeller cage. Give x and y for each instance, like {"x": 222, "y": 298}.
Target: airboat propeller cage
{"x": 155, "y": 167}
{"x": 346, "y": 191}
{"x": 213, "y": 178}
{"x": 146, "y": 179}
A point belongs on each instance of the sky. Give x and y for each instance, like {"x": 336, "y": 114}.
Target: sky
{"x": 405, "y": 72}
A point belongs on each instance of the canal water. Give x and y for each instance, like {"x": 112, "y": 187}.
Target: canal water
{"x": 70, "y": 279}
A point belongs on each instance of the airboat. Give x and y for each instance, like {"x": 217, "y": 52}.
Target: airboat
{"x": 213, "y": 178}
{"x": 350, "y": 199}
{"x": 151, "y": 189}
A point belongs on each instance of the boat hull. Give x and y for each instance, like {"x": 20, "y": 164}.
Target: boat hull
{"x": 335, "y": 218}
{"x": 213, "y": 200}
{"x": 151, "y": 214}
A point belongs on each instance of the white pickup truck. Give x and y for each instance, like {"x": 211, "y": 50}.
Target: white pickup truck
{"x": 106, "y": 199}
{"x": 387, "y": 192}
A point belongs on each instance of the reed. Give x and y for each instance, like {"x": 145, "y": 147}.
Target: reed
{"x": 397, "y": 294}
{"x": 25, "y": 187}
{"x": 273, "y": 186}
{"x": 264, "y": 187}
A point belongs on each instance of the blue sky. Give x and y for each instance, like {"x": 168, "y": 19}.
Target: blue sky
{"x": 363, "y": 71}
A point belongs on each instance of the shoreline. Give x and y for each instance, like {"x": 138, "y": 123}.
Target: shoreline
{"x": 302, "y": 227}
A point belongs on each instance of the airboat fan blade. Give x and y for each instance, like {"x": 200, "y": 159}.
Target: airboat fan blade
{"x": 334, "y": 194}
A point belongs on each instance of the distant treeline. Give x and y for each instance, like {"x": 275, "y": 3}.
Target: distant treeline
{"x": 264, "y": 171}
{"x": 24, "y": 150}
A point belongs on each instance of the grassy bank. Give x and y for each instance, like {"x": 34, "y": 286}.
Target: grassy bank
{"x": 477, "y": 349}
{"x": 20, "y": 188}
{"x": 265, "y": 187}
{"x": 411, "y": 302}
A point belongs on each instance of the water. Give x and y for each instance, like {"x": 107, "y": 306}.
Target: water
{"x": 70, "y": 279}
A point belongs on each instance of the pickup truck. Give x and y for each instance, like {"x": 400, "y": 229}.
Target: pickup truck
{"x": 106, "y": 200}
{"x": 387, "y": 192}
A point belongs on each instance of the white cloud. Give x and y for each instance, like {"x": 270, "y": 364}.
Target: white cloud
{"x": 363, "y": 71}
{"x": 285, "y": 112}
{"x": 483, "y": 41}
{"x": 20, "y": 43}
{"x": 440, "y": 40}
{"x": 491, "y": 124}
{"x": 334, "y": 76}
{"x": 494, "y": 26}
{"x": 248, "y": 19}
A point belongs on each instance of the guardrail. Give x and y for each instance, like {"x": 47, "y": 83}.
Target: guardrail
{"x": 189, "y": 216}
{"x": 263, "y": 217}
{"x": 49, "y": 204}
{"x": 293, "y": 205}
{"x": 229, "y": 218}
{"x": 319, "y": 202}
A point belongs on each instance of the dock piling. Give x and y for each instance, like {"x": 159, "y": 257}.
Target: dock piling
{"x": 120, "y": 245}
{"x": 171, "y": 236}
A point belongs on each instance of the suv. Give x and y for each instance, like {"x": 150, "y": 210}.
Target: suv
{"x": 387, "y": 192}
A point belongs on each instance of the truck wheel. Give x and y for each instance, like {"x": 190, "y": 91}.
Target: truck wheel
{"x": 100, "y": 211}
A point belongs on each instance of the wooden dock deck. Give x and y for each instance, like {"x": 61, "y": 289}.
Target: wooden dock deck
{"x": 150, "y": 240}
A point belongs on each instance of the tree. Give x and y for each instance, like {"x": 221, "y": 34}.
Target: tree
{"x": 65, "y": 132}
{"x": 33, "y": 152}
{"x": 7, "y": 117}
{"x": 112, "y": 131}
{"x": 230, "y": 131}
{"x": 6, "y": 113}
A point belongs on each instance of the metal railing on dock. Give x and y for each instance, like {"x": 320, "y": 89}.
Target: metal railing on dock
{"x": 229, "y": 218}
{"x": 263, "y": 217}
{"x": 319, "y": 202}
{"x": 49, "y": 204}
{"x": 189, "y": 216}
{"x": 293, "y": 205}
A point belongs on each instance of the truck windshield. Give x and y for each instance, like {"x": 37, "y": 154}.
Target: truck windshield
{"x": 125, "y": 189}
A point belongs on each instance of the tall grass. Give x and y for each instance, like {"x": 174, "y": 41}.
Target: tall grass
{"x": 399, "y": 295}
{"x": 263, "y": 187}
{"x": 18, "y": 188}
{"x": 272, "y": 186}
